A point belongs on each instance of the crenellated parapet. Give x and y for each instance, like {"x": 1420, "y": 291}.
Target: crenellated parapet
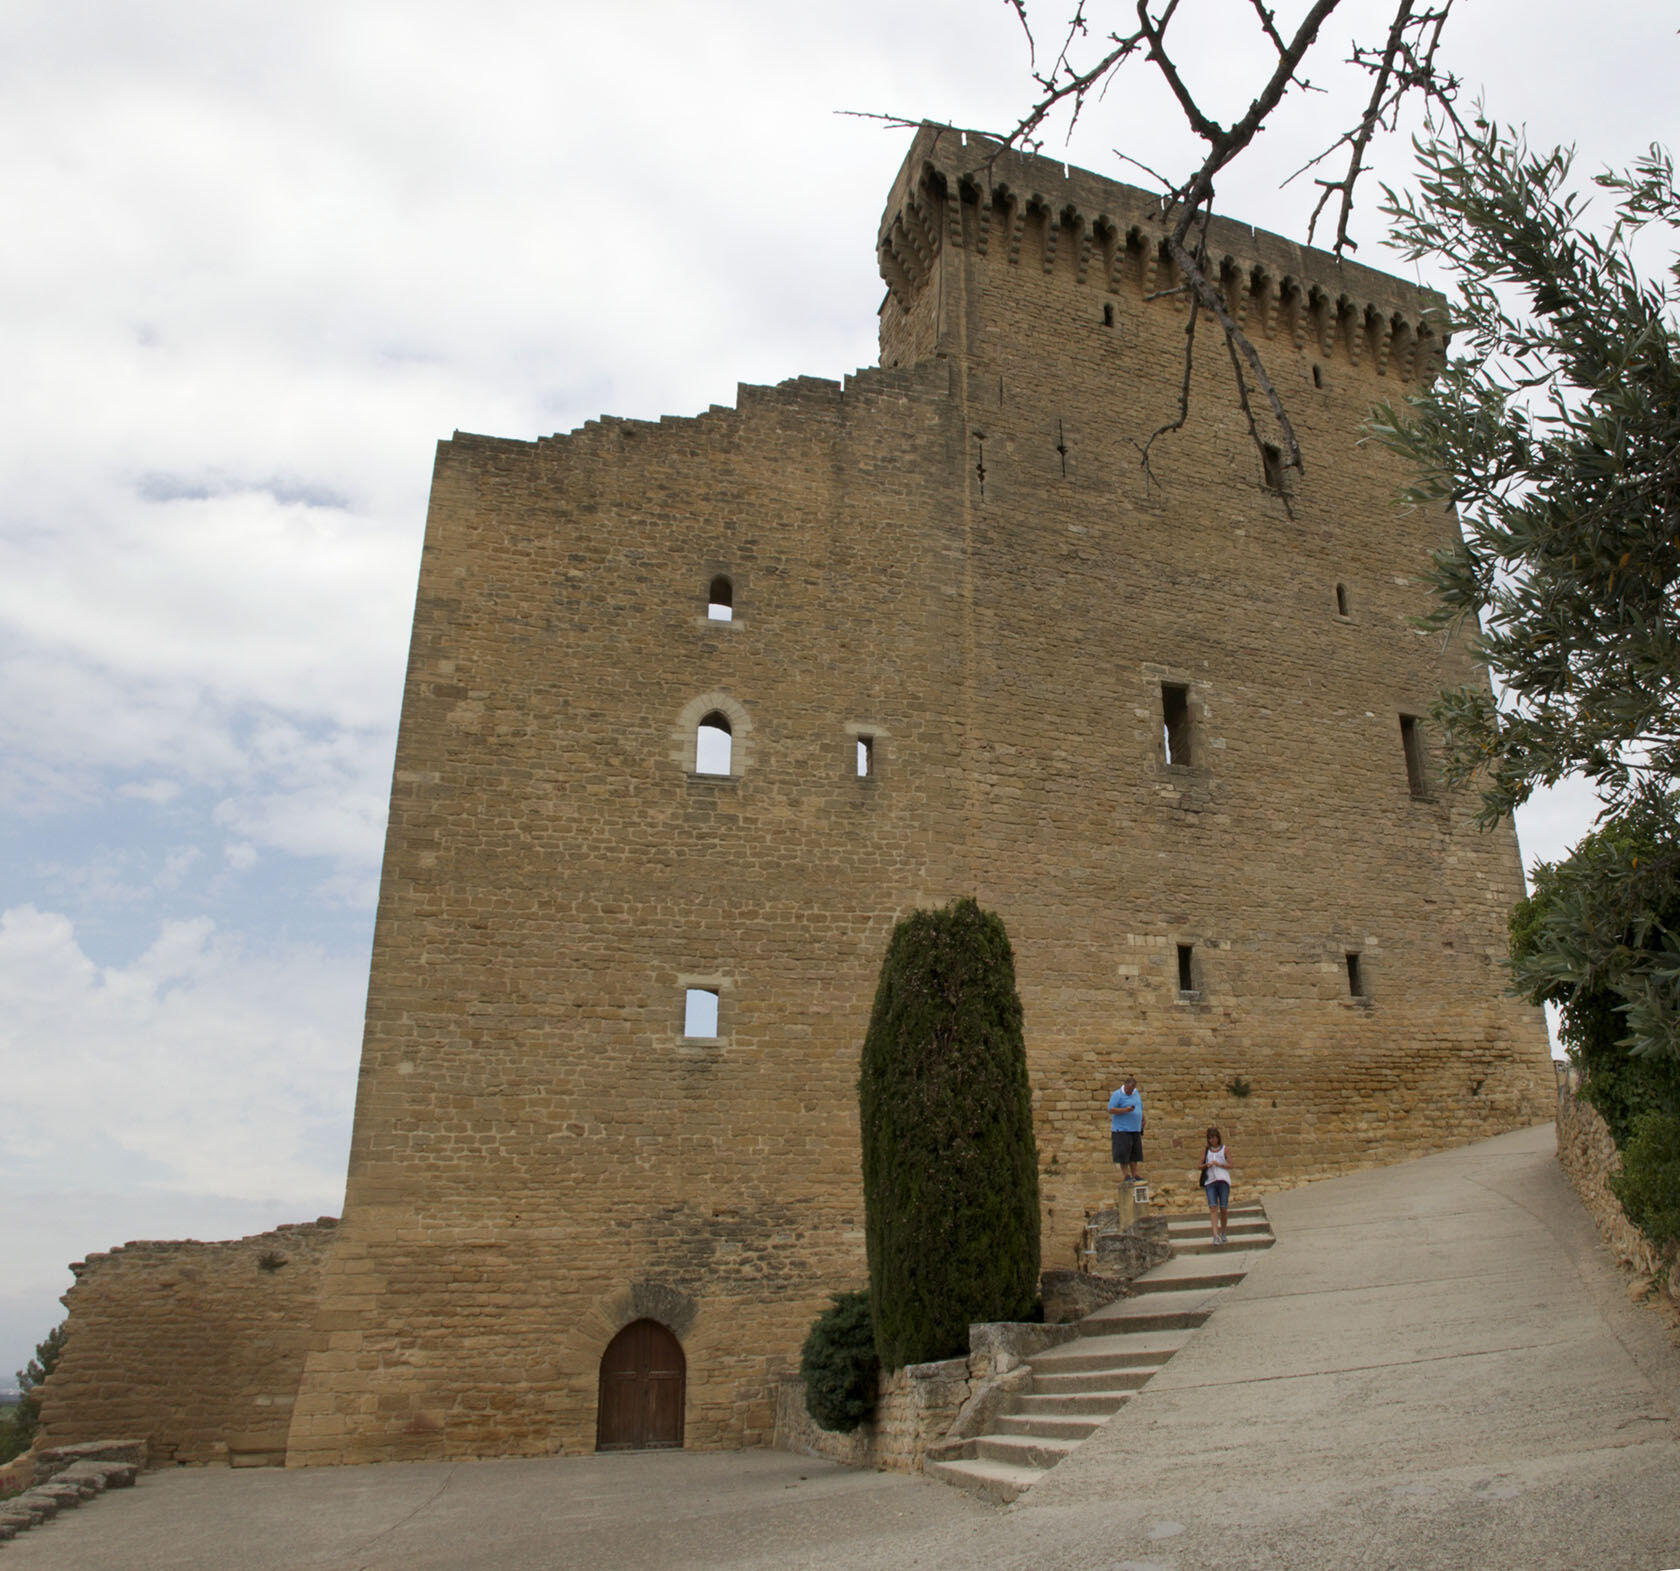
{"x": 1035, "y": 213}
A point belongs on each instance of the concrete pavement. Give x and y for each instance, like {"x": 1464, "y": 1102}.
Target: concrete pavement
{"x": 1436, "y": 1367}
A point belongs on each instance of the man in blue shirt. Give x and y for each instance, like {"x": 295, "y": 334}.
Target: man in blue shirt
{"x": 1125, "y": 1128}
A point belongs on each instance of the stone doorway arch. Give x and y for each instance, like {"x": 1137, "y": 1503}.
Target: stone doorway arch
{"x": 644, "y": 1381}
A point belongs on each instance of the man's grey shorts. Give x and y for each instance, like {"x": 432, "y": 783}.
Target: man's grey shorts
{"x": 1128, "y": 1146}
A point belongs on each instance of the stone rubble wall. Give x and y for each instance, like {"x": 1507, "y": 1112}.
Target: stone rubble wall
{"x": 1589, "y": 1157}
{"x": 918, "y": 1405}
{"x": 198, "y": 1347}
{"x": 60, "y": 1478}
{"x": 19, "y": 1473}
{"x": 921, "y": 1404}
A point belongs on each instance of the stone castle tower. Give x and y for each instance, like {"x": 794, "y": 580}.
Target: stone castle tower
{"x": 697, "y": 708}
{"x": 1167, "y": 730}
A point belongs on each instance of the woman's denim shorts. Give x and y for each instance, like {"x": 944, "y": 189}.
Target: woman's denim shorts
{"x": 1219, "y": 1193}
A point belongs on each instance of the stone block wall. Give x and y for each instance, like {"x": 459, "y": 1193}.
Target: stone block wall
{"x": 958, "y": 557}
{"x": 195, "y": 1347}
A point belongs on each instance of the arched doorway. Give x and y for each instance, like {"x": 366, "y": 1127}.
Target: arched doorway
{"x": 644, "y": 1379}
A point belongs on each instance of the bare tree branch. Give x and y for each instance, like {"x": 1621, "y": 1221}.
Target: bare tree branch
{"x": 1183, "y": 390}
{"x": 1403, "y": 66}
{"x": 1268, "y": 24}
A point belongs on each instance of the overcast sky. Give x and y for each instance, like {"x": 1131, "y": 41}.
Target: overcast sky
{"x": 259, "y": 259}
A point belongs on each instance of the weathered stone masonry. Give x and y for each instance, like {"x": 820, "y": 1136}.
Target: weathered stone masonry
{"x": 957, "y": 557}
{"x": 196, "y": 1348}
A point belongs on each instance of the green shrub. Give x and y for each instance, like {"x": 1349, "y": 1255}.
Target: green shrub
{"x": 1648, "y": 1185}
{"x": 1620, "y": 1085}
{"x": 1597, "y": 939}
{"x": 950, "y": 1168}
{"x": 839, "y": 1366}
{"x": 20, "y": 1423}
{"x": 16, "y": 1433}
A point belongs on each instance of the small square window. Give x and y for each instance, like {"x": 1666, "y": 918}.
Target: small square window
{"x": 700, "y": 1012}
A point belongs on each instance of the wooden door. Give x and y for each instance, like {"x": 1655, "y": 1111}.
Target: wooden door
{"x": 643, "y": 1384}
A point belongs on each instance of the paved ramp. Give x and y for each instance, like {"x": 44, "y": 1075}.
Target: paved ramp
{"x": 1436, "y": 1369}
{"x": 1436, "y": 1366}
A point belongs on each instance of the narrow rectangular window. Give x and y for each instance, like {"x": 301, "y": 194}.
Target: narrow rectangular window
{"x": 865, "y": 757}
{"x": 1175, "y": 722}
{"x": 700, "y": 1012}
{"x": 1186, "y": 969}
{"x": 1271, "y": 463}
{"x": 1411, "y": 740}
{"x": 1356, "y": 975}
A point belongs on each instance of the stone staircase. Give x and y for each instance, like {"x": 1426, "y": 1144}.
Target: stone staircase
{"x": 65, "y": 1476}
{"x": 1077, "y": 1386}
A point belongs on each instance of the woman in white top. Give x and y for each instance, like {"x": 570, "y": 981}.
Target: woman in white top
{"x": 1216, "y": 1168}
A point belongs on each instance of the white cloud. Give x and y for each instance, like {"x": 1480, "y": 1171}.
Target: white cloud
{"x": 196, "y": 1081}
{"x": 1553, "y": 819}
{"x": 160, "y": 793}
{"x": 196, "y": 1068}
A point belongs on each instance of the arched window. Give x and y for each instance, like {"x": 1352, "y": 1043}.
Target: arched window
{"x": 720, "y": 600}
{"x": 712, "y": 743}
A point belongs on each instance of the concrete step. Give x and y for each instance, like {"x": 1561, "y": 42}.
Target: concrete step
{"x": 1199, "y": 1232}
{"x": 1237, "y": 1222}
{"x": 1206, "y": 1246}
{"x": 1041, "y": 1452}
{"x": 1055, "y": 1426}
{"x": 1125, "y": 1314}
{"x": 1002, "y": 1481}
{"x": 1204, "y": 1234}
{"x": 1179, "y": 1311}
{"x": 1090, "y": 1382}
{"x": 1069, "y": 1404}
{"x": 1237, "y": 1218}
{"x": 1102, "y": 1352}
{"x": 1192, "y": 1275}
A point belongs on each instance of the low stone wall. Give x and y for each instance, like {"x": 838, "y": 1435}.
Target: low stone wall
{"x": 1588, "y": 1154}
{"x": 17, "y": 1474}
{"x": 197, "y": 1347}
{"x": 921, "y": 1404}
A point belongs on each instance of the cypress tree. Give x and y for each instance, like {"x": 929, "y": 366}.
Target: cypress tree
{"x": 950, "y": 1166}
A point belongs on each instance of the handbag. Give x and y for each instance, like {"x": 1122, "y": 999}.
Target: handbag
{"x": 1201, "y": 1177}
